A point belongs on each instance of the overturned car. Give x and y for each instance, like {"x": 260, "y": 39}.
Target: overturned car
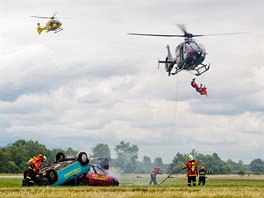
{"x": 63, "y": 171}
{"x": 98, "y": 177}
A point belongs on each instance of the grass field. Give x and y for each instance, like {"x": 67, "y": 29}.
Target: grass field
{"x": 137, "y": 186}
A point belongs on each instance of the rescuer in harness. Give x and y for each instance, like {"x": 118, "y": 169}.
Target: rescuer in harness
{"x": 201, "y": 89}
{"x": 192, "y": 173}
{"x": 202, "y": 176}
{"x": 33, "y": 176}
{"x": 155, "y": 171}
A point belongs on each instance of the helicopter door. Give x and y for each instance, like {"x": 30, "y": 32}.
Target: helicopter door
{"x": 181, "y": 57}
{"x": 181, "y": 53}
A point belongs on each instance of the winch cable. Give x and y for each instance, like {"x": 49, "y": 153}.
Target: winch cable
{"x": 203, "y": 78}
{"x": 175, "y": 112}
{"x": 173, "y": 124}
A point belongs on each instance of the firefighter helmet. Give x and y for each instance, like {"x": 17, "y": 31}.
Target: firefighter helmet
{"x": 190, "y": 157}
{"x": 43, "y": 157}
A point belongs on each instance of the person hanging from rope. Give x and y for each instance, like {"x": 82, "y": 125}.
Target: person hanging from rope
{"x": 191, "y": 164}
{"x": 194, "y": 84}
{"x": 201, "y": 89}
{"x": 202, "y": 176}
{"x": 153, "y": 175}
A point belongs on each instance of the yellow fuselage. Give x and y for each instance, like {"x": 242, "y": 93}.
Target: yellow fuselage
{"x": 51, "y": 25}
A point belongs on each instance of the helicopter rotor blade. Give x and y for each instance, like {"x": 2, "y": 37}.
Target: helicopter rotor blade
{"x": 53, "y": 17}
{"x": 41, "y": 17}
{"x": 182, "y": 27}
{"x": 221, "y": 34}
{"x": 162, "y": 35}
{"x": 198, "y": 35}
{"x": 186, "y": 34}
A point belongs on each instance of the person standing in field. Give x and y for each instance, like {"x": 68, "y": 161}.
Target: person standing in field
{"x": 192, "y": 173}
{"x": 153, "y": 175}
{"x": 202, "y": 176}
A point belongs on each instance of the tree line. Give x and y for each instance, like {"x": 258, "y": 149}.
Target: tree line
{"x": 14, "y": 157}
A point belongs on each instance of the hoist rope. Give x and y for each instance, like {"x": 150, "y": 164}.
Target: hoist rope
{"x": 203, "y": 78}
{"x": 175, "y": 112}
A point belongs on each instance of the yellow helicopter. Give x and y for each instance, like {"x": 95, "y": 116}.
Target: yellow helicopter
{"x": 52, "y": 25}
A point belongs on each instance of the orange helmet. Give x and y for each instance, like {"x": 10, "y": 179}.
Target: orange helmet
{"x": 202, "y": 168}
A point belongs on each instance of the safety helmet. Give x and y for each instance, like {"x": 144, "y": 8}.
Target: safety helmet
{"x": 44, "y": 158}
{"x": 202, "y": 168}
{"x": 190, "y": 157}
{"x": 158, "y": 168}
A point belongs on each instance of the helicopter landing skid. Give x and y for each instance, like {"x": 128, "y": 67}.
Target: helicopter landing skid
{"x": 177, "y": 71}
{"x": 203, "y": 68}
{"x": 56, "y": 31}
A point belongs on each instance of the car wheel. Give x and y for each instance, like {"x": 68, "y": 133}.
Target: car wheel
{"x": 83, "y": 159}
{"x": 60, "y": 156}
{"x": 52, "y": 176}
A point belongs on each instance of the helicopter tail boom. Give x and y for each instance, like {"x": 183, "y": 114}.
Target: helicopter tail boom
{"x": 39, "y": 29}
{"x": 169, "y": 62}
{"x": 169, "y": 57}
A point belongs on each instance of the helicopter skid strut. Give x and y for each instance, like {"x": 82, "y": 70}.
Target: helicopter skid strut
{"x": 203, "y": 68}
{"x": 56, "y": 31}
{"x": 177, "y": 71}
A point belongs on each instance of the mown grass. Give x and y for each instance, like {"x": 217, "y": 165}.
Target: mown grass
{"x": 132, "y": 186}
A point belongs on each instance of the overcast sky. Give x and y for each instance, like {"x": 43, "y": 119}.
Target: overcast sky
{"x": 92, "y": 83}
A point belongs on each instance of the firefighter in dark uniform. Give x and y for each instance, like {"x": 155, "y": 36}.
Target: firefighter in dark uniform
{"x": 192, "y": 173}
{"x": 155, "y": 171}
{"x": 202, "y": 176}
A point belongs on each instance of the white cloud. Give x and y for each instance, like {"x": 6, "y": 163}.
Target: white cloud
{"x": 94, "y": 83}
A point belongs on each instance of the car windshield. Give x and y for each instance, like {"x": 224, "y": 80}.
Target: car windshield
{"x": 98, "y": 170}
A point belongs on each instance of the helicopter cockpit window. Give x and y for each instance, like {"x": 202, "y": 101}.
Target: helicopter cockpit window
{"x": 201, "y": 49}
{"x": 184, "y": 48}
{"x": 177, "y": 48}
{"x": 51, "y": 23}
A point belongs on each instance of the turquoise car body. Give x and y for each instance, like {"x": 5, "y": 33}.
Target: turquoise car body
{"x": 73, "y": 171}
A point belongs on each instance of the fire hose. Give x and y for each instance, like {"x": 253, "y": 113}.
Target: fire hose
{"x": 170, "y": 175}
